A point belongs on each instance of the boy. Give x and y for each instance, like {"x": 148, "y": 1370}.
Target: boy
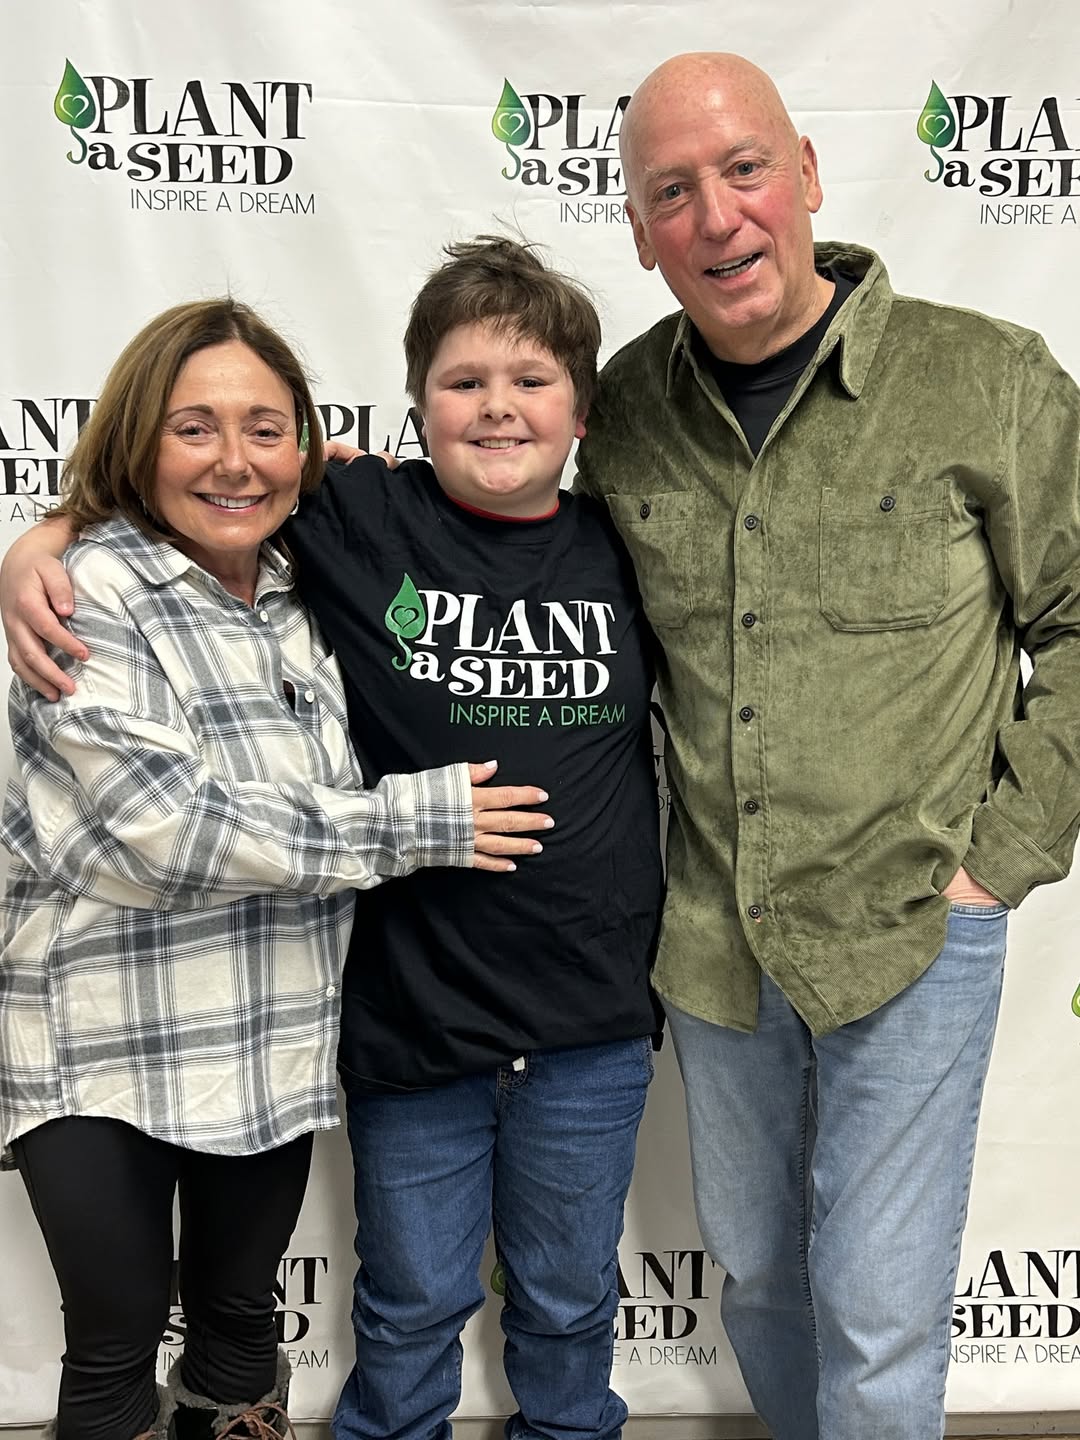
{"x": 496, "y": 1039}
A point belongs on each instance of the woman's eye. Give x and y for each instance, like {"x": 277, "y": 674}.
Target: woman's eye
{"x": 192, "y": 430}
{"x": 268, "y": 432}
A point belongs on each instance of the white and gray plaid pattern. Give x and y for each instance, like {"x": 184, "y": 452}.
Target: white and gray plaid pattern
{"x": 185, "y": 844}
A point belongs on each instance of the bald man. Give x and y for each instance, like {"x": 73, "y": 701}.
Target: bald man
{"x": 849, "y": 510}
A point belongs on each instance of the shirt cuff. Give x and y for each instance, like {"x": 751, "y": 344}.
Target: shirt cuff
{"x": 1005, "y": 862}
{"x": 445, "y": 833}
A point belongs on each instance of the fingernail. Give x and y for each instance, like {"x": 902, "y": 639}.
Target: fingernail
{"x": 549, "y": 824}
{"x": 511, "y": 866}
{"x": 537, "y": 847}
{"x": 543, "y": 795}
{"x": 489, "y": 764}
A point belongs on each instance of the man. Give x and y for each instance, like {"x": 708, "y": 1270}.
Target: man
{"x": 848, "y": 511}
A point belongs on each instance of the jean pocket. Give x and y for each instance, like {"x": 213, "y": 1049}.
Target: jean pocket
{"x": 658, "y": 531}
{"x": 883, "y": 559}
{"x": 978, "y": 912}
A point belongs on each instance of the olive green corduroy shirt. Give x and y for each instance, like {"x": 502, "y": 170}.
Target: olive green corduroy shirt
{"x": 840, "y": 622}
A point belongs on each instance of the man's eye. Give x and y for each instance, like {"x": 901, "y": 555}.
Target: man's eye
{"x": 671, "y": 192}
{"x": 746, "y": 167}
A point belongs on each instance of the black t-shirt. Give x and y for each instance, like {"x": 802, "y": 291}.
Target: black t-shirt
{"x": 466, "y": 638}
{"x": 757, "y": 393}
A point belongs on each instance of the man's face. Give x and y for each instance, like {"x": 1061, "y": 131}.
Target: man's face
{"x": 721, "y": 195}
{"x": 499, "y": 419}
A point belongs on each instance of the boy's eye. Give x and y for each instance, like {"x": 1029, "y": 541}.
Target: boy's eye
{"x": 465, "y": 384}
{"x": 532, "y": 382}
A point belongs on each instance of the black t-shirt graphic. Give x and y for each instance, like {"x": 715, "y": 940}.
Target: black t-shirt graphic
{"x": 467, "y": 638}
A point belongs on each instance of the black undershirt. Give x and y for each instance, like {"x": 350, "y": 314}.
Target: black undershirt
{"x": 757, "y": 393}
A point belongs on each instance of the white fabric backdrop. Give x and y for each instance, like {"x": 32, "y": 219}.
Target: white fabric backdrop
{"x": 378, "y": 119}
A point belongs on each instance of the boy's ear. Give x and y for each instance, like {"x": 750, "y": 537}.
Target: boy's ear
{"x": 579, "y": 427}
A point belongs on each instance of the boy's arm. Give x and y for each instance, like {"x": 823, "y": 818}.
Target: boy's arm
{"x": 35, "y": 596}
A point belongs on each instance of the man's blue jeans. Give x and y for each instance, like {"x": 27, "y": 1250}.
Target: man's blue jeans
{"x": 831, "y": 1178}
{"x": 545, "y": 1154}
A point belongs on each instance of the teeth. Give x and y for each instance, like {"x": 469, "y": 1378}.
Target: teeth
{"x": 497, "y": 444}
{"x": 232, "y": 502}
{"x": 735, "y": 269}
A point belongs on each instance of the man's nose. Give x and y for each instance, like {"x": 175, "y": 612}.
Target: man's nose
{"x": 719, "y": 214}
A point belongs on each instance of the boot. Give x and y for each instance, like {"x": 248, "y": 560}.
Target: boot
{"x": 160, "y": 1430}
{"x": 199, "y": 1418}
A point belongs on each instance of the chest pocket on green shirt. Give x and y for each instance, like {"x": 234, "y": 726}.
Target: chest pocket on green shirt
{"x": 657, "y": 529}
{"x": 884, "y": 556}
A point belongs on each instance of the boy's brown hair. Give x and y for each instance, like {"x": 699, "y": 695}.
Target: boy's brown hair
{"x": 113, "y": 466}
{"x": 496, "y": 281}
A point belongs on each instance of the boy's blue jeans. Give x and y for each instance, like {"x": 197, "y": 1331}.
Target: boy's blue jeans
{"x": 831, "y": 1177}
{"x": 544, "y": 1154}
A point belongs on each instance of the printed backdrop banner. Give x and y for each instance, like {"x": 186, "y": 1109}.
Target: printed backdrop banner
{"x": 313, "y": 160}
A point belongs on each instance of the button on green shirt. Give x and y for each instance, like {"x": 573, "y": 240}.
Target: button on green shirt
{"x": 840, "y": 622}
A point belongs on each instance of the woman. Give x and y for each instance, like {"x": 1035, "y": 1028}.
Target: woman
{"x": 186, "y": 832}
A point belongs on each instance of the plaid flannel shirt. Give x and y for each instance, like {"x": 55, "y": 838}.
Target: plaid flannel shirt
{"x": 186, "y": 832}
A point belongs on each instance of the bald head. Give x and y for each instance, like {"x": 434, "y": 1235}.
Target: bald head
{"x": 713, "y": 80}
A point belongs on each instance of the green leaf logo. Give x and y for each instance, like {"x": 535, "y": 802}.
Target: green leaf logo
{"x": 511, "y": 125}
{"x": 1076, "y": 1003}
{"x": 75, "y": 107}
{"x": 405, "y": 618}
{"x": 936, "y": 127}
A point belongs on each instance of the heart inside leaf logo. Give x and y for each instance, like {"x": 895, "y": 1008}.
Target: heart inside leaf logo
{"x": 936, "y": 127}
{"x": 75, "y": 107}
{"x": 405, "y": 618}
{"x": 511, "y": 124}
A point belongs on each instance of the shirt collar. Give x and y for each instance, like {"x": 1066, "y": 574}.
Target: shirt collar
{"x": 159, "y": 563}
{"x": 856, "y": 328}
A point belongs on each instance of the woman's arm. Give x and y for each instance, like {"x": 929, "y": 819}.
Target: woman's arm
{"x": 117, "y": 803}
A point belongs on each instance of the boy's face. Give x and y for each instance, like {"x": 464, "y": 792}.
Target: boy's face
{"x": 499, "y": 417}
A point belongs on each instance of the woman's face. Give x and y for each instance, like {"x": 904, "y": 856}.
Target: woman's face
{"x": 228, "y": 465}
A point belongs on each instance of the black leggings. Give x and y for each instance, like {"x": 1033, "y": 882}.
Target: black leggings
{"x": 102, "y": 1192}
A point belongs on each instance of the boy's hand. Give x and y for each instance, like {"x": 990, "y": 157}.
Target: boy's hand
{"x": 35, "y": 595}
{"x": 335, "y": 450}
{"x": 495, "y": 819}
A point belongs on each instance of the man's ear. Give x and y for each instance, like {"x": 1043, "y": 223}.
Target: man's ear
{"x": 645, "y": 254}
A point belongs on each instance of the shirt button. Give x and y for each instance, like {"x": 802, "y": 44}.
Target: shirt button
{"x": 331, "y": 991}
{"x": 751, "y": 522}
{"x": 264, "y": 617}
{"x": 309, "y": 696}
{"x": 646, "y": 510}
{"x": 755, "y": 912}
{"x": 749, "y": 620}
{"x": 751, "y": 807}
{"x": 746, "y": 714}
{"x": 888, "y": 502}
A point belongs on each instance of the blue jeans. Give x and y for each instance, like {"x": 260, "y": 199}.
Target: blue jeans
{"x": 545, "y": 1154}
{"x": 831, "y": 1178}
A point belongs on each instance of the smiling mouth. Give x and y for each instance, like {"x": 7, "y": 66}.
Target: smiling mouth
{"x": 233, "y": 502}
{"x": 499, "y": 444}
{"x": 737, "y": 267}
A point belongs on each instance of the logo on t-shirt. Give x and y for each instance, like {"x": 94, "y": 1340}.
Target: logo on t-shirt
{"x": 507, "y": 667}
